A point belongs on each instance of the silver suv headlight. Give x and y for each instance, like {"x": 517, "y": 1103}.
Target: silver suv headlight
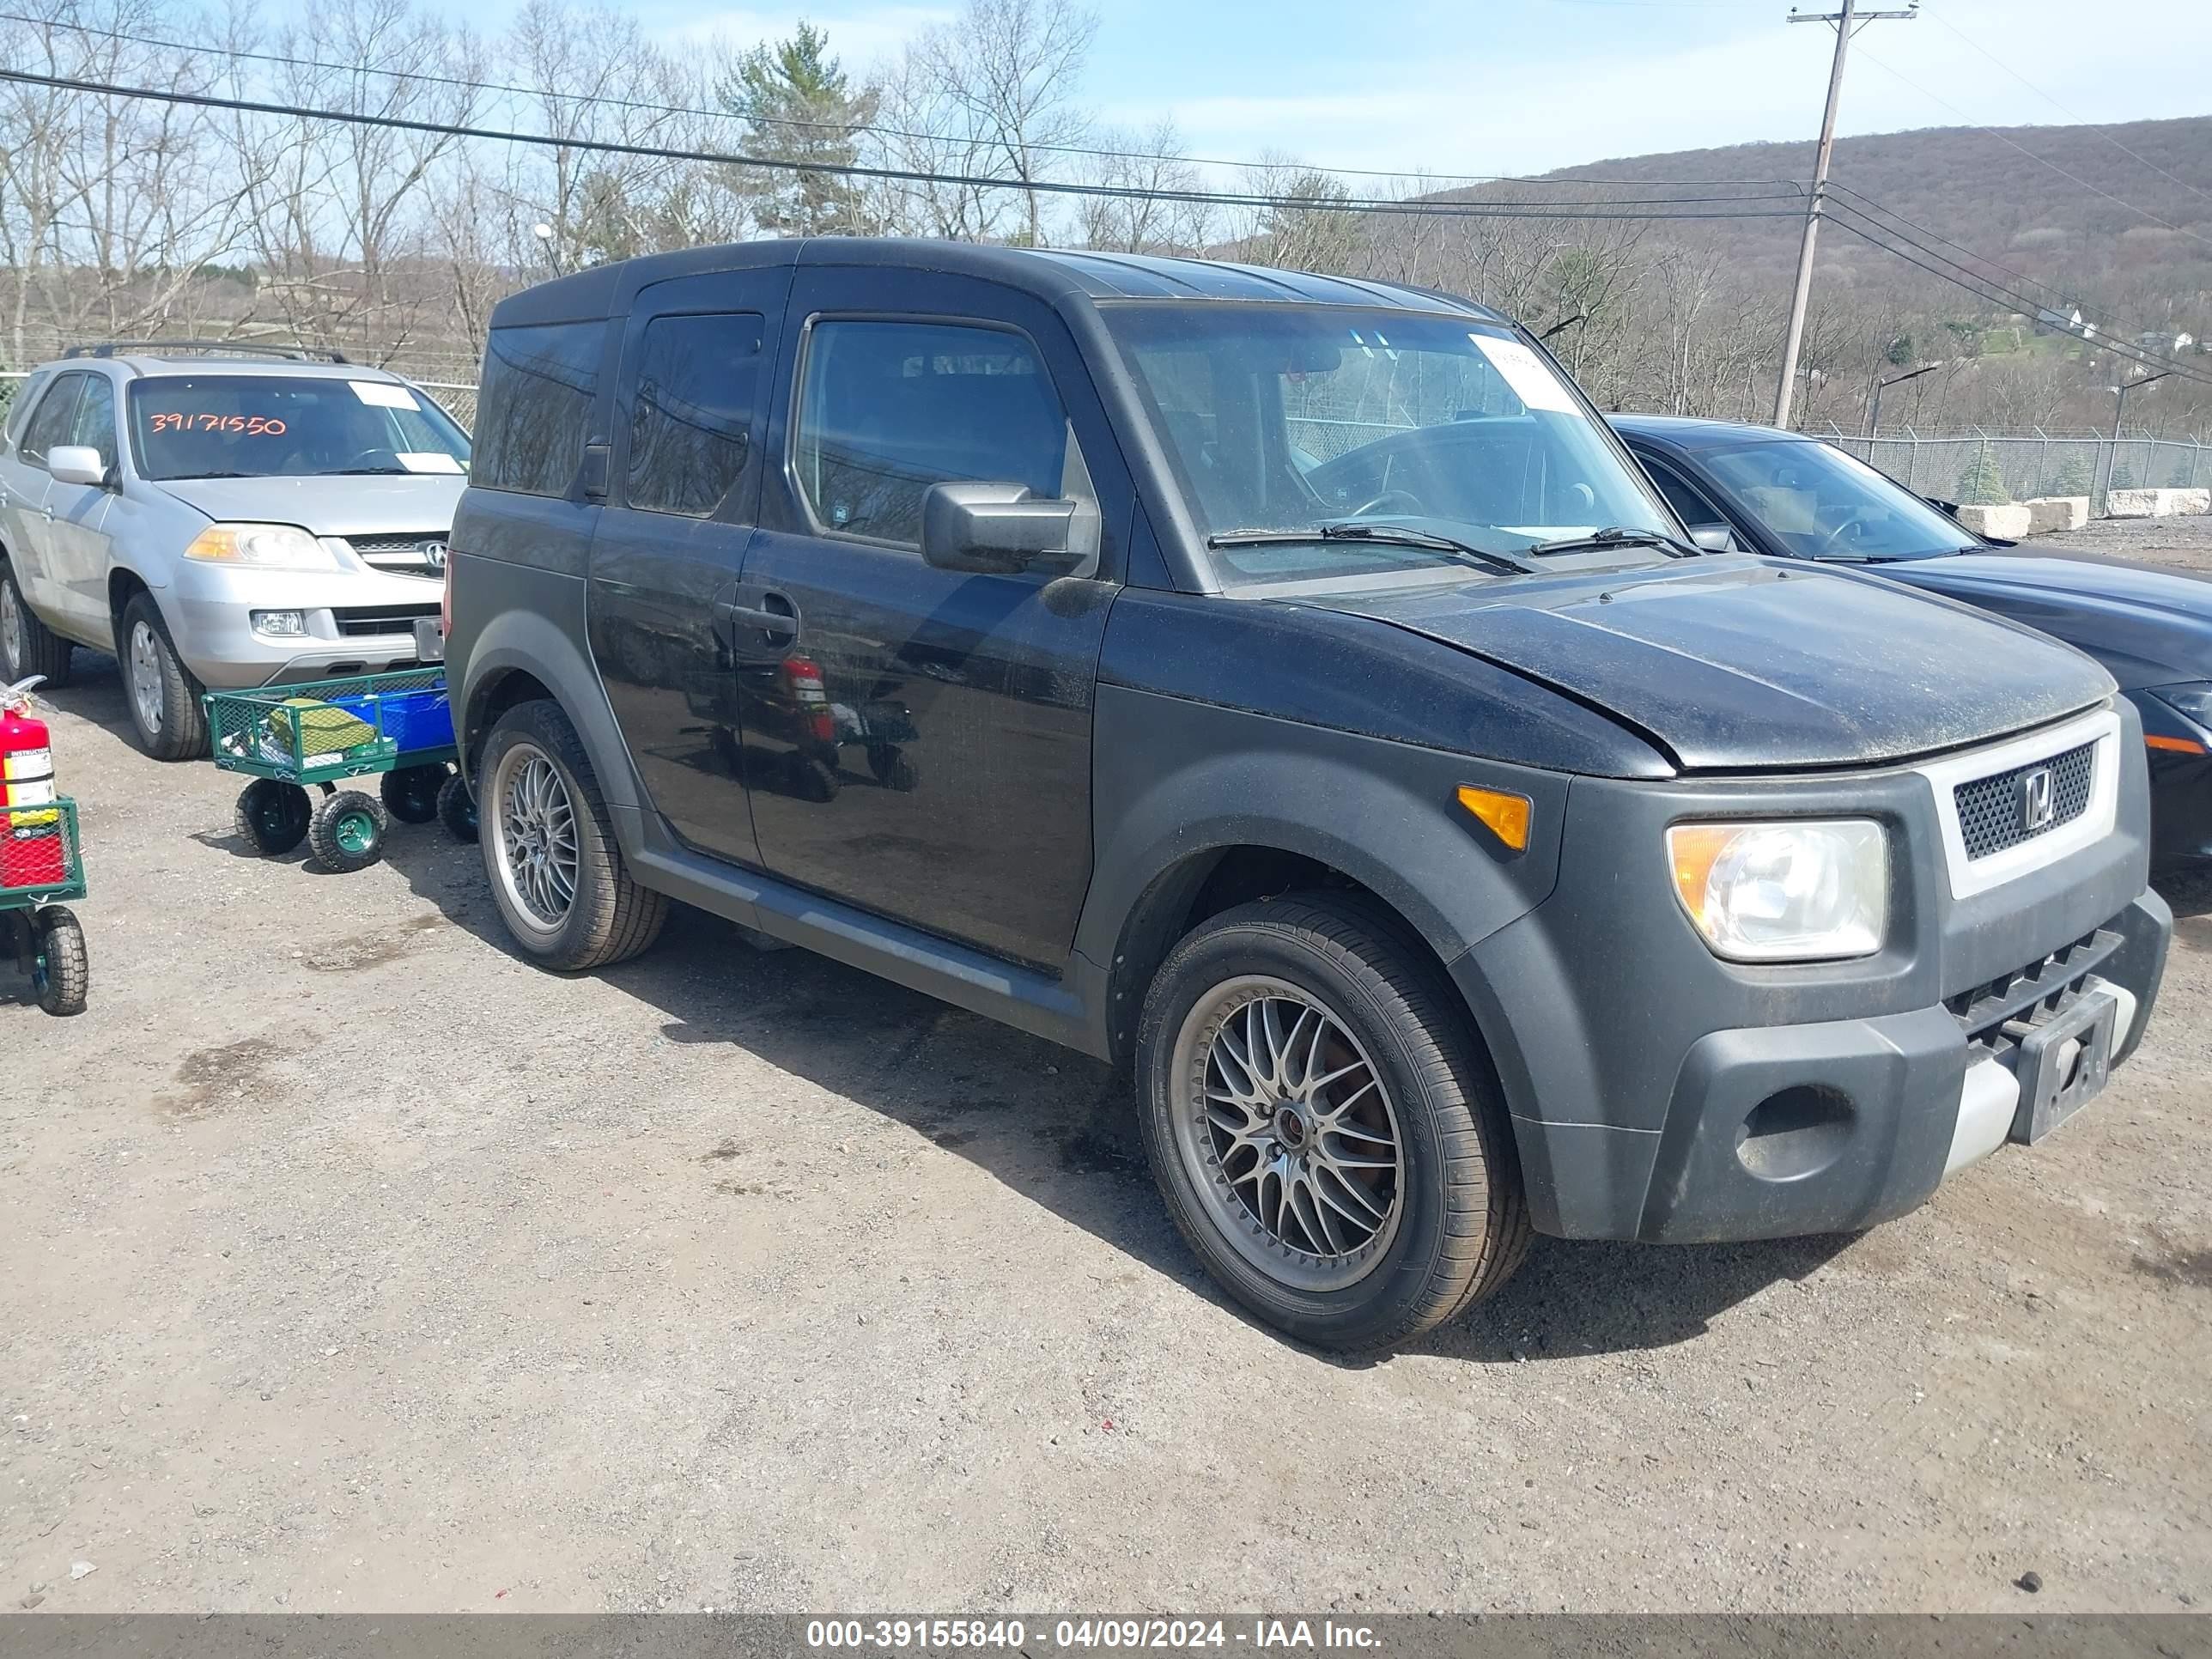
{"x": 1787, "y": 891}
{"x": 270, "y": 546}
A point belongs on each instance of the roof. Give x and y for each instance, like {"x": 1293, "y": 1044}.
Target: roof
{"x": 1051, "y": 274}
{"x": 157, "y": 362}
{"x": 1691, "y": 432}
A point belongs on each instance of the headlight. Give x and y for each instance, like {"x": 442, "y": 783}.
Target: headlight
{"x": 2192, "y": 701}
{"x": 1783, "y": 891}
{"x": 274, "y": 546}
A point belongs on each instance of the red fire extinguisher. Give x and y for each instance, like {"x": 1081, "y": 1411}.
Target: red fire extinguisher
{"x": 31, "y": 853}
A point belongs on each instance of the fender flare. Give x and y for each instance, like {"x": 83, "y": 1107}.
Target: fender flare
{"x": 526, "y": 641}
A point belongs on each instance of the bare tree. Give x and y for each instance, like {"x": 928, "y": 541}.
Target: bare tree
{"x": 1008, "y": 70}
{"x": 1149, "y": 174}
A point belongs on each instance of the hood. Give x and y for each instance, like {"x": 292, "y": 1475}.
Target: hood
{"x": 328, "y": 506}
{"x": 2148, "y": 624}
{"x": 1742, "y": 665}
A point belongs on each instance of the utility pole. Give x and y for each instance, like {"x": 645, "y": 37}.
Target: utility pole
{"x": 1874, "y": 415}
{"x": 2119, "y": 414}
{"x": 1848, "y": 21}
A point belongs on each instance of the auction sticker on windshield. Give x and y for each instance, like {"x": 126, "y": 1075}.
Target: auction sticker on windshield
{"x": 1532, "y": 381}
{"x": 377, "y": 395}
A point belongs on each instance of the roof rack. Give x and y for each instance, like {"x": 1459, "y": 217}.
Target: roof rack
{"x": 236, "y": 348}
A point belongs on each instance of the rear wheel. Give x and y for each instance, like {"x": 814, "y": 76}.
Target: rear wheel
{"x": 61, "y": 973}
{"x": 272, "y": 816}
{"x": 347, "y": 831}
{"x": 1325, "y": 1133}
{"x": 27, "y": 645}
{"x": 163, "y": 697}
{"x": 557, "y": 875}
{"x": 411, "y": 793}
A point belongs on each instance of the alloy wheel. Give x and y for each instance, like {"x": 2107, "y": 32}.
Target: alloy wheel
{"x": 146, "y": 677}
{"x": 1287, "y": 1129}
{"x": 535, "y": 840}
{"x": 15, "y": 641}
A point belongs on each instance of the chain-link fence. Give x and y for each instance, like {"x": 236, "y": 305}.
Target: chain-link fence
{"x": 1977, "y": 465}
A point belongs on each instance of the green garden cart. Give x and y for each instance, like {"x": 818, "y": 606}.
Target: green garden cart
{"x": 39, "y": 868}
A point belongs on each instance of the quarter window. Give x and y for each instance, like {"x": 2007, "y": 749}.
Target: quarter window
{"x": 93, "y": 425}
{"x": 535, "y": 406}
{"x": 690, "y": 424}
{"x": 888, "y": 408}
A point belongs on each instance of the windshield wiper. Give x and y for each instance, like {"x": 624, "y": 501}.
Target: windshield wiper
{"x": 1615, "y": 535}
{"x": 194, "y": 478}
{"x": 1385, "y": 535}
{"x": 365, "y": 472}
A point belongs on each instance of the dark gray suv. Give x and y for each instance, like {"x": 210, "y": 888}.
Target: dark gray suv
{"x": 1286, "y": 686}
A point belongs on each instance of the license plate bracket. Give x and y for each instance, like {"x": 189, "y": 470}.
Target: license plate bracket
{"x": 2062, "y": 1064}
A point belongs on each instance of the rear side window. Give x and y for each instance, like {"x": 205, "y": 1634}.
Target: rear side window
{"x": 49, "y": 422}
{"x": 890, "y": 409}
{"x": 535, "y": 406}
{"x": 690, "y": 418}
{"x": 25, "y": 399}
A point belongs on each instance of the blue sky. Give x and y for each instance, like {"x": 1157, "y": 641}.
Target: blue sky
{"x": 1486, "y": 86}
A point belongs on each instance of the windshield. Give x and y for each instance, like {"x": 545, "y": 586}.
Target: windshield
{"x": 1290, "y": 418}
{"x": 271, "y": 426}
{"x": 1818, "y": 502}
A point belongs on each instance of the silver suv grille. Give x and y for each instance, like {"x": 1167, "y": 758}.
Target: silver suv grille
{"x": 2005, "y": 809}
{"x": 411, "y": 553}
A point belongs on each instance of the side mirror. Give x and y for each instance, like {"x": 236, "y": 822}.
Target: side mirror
{"x": 1714, "y": 538}
{"x": 993, "y": 529}
{"x": 76, "y": 464}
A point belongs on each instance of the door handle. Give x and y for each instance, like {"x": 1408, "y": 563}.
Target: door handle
{"x": 769, "y": 622}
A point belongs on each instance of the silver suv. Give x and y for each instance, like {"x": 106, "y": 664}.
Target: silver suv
{"x": 247, "y": 519}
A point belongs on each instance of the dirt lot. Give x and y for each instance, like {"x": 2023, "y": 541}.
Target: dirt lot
{"x": 352, "y": 1264}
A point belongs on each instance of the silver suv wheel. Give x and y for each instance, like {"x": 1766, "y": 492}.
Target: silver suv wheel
{"x": 145, "y": 664}
{"x": 533, "y": 838}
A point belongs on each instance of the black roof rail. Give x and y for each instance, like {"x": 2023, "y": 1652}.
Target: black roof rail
{"x": 236, "y": 348}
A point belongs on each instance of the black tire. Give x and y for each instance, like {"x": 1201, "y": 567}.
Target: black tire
{"x": 892, "y": 767}
{"x": 179, "y": 729}
{"x": 27, "y": 645}
{"x": 1460, "y": 1217}
{"x": 61, "y": 973}
{"x": 347, "y": 831}
{"x": 272, "y": 816}
{"x": 605, "y": 917}
{"x": 812, "y": 778}
{"x": 411, "y": 793}
{"x": 457, "y": 808}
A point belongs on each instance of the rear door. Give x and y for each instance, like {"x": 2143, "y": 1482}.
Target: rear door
{"x": 918, "y": 740}
{"x": 697, "y": 359}
{"x": 29, "y": 488}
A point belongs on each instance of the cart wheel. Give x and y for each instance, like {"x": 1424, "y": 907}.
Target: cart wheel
{"x": 457, "y": 808}
{"x": 893, "y": 766}
{"x": 410, "y": 794}
{"x": 60, "y": 974}
{"x": 272, "y": 816}
{"x": 347, "y": 831}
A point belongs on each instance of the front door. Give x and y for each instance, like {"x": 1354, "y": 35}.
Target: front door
{"x": 77, "y": 513}
{"x": 918, "y": 740}
{"x": 27, "y": 511}
{"x": 698, "y": 358}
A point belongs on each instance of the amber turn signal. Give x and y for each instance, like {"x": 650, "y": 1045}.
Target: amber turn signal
{"x": 2177, "y": 745}
{"x": 1504, "y": 814}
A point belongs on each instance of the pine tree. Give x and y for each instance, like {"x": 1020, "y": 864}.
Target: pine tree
{"x": 2075, "y": 477}
{"x": 1983, "y": 483}
{"x": 801, "y": 106}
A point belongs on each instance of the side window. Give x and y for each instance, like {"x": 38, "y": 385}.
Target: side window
{"x": 51, "y": 421}
{"x": 27, "y": 396}
{"x": 1696, "y": 511}
{"x": 93, "y": 425}
{"x": 886, "y": 410}
{"x": 690, "y": 416}
{"x": 535, "y": 407}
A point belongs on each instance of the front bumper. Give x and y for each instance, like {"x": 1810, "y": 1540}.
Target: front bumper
{"x": 1660, "y": 1093}
{"x": 356, "y": 620}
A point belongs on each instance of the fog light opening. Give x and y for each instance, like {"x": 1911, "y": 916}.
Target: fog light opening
{"x": 283, "y": 624}
{"x": 1794, "y": 1133}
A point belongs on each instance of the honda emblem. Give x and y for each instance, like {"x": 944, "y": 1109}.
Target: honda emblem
{"x": 2038, "y": 802}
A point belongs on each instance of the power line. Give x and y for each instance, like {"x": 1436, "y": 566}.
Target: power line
{"x": 607, "y": 101}
{"x": 2118, "y": 347}
{"x": 2002, "y": 138}
{"x": 2094, "y": 127}
{"x": 1636, "y": 210}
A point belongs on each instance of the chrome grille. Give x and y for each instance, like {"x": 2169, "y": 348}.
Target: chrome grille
{"x": 361, "y": 621}
{"x": 405, "y": 554}
{"x": 1992, "y": 813}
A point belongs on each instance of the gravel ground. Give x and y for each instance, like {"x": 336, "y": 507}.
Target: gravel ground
{"x": 352, "y": 1264}
{"x": 2187, "y": 542}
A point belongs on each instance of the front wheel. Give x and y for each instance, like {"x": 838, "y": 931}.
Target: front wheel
{"x": 457, "y": 808}
{"x": 163, "y": 697}
{"x": 272, "y": 816}
{"x": 557, "y": 875}
{"x": 347, "y": 831}
{"x": 411, "y": 793}
{"x": 1327, "y": 1137}
{"x": 61, "y": 973}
